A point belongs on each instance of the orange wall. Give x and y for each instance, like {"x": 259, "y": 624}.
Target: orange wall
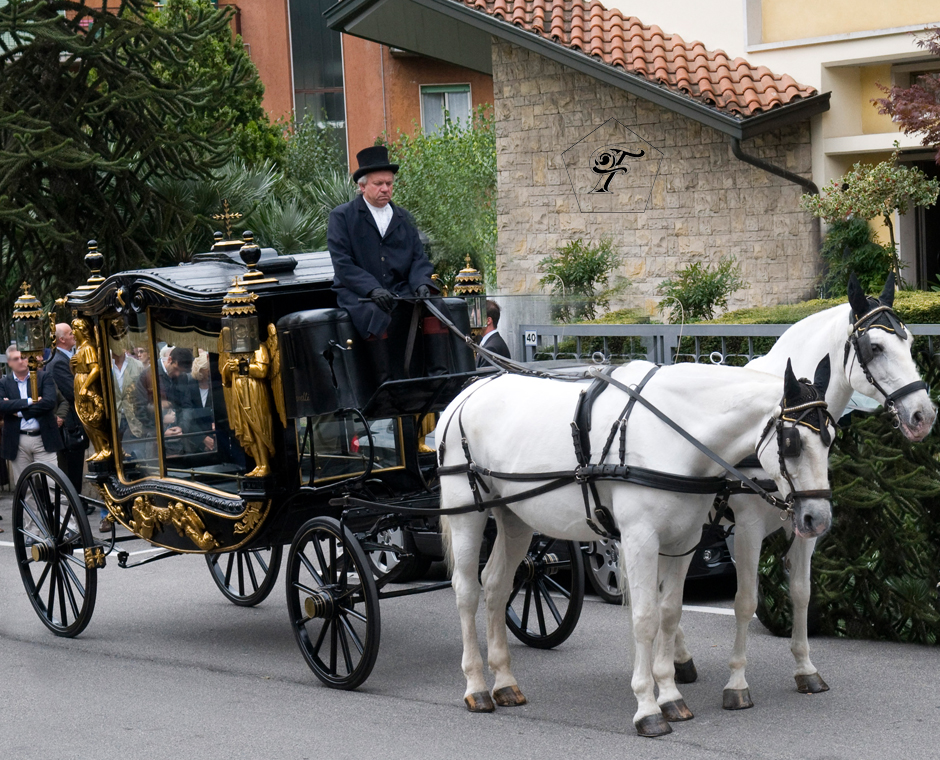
{"x": 264, "y": 28}
{"x": 383, "y": 90}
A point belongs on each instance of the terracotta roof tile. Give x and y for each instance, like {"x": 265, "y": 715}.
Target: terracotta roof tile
{"x": 587, "y": 26}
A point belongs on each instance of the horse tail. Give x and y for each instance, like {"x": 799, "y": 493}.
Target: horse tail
{"x": 448, "y": 545}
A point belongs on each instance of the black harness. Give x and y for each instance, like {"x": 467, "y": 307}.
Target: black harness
{"x": 881, "y": 317}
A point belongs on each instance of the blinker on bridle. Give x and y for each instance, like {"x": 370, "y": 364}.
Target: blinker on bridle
{"x": 881, "y": 317}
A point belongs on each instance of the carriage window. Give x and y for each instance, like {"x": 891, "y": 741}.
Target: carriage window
{"x": 337, "y": 445}
{"x": 129, "y": 347}
{"x": 198, "y": 442}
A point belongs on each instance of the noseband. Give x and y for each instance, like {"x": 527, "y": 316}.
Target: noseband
{"x": 881, "y": 317}
{"x": 813, "y": 415}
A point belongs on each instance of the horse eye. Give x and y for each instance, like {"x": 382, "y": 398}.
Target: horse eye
{"x": 877, "y": 348}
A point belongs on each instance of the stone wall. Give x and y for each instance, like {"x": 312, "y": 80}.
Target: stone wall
{"x": 704, "y": 202}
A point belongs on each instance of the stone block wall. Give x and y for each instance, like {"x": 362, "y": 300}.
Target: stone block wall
{"x": 704, "y": 204}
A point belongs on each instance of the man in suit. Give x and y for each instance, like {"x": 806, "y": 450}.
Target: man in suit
{"x": 71, "y": 460}
{"x": 491, "y": 339}
{"x": 377, "y": 254}
{"x": 30, "y": 429}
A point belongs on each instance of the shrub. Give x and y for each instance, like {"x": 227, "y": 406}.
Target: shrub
{"x": 700, "y": 290}
{"x": 850, "y": 247}
{"x": 575, "y": 272}
{"x": 315, "y": 149}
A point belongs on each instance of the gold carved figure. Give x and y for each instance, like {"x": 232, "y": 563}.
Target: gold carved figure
{"x": 89, "y": 399}
{"x": 246, "y": 398}
{"x": 148, "y": 518}
{"x": 277, "y": 383}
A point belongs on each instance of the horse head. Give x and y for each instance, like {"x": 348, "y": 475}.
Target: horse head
{"x": 794, "y": 450}
{"x": 878, "y": 360}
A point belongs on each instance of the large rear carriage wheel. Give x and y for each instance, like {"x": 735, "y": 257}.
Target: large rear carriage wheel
{"x": 547, "y": 594}
{"x": 333, "y": 603}
{"x": 55, "y": 550}
{"x": 246, "y": 576}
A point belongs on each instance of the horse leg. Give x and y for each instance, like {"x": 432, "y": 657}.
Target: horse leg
{"x": 639, "y": 561}
{"x": 748, "y": 534}
{"x": 808, "y": 680}
{"x": 513, "y": 537}
{"x": 685, "y": 666}
{"x": 466, "y": 537}
{"x": 672, "y": 571}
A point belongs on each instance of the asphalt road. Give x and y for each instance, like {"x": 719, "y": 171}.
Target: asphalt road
{"x": 168, "y": 667}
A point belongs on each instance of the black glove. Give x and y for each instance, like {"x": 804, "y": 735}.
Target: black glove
{"x": 383, "y": 299}
{"x": 423, "y": 291}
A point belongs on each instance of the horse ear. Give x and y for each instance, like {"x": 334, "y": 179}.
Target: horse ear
{"x": 857, "y": 298}
{"x": 791, "y": 386}
{"x": 887, "y": 295}
{"x": 821, "y": 379}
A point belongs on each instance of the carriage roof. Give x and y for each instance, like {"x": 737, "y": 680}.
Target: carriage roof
{"x": 201, "y": 284}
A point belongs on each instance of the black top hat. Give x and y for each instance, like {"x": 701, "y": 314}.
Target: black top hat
{"x": 374, "y": 159}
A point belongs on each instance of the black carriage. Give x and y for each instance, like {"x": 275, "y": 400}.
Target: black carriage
{"x": 287, "y": 431}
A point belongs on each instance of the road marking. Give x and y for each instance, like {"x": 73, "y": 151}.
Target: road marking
{"x": 710, "y": 610}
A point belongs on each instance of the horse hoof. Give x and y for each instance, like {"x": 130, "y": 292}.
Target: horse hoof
{"x": 736, "y": 699}
{"x": 676, "y": 711}
{"x": 509, "y": 696}
{"x": 686, "y": 672}
{"x": 480, "y": 702}
{"x": 652, "y": 725}
{"x": 811, "y": 684}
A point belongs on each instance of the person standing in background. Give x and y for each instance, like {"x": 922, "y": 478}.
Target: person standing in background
{"x": 491, "y": 339}
{"x": 71, "y": 457}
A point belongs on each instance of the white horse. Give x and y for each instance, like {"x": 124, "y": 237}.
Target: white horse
{"x": 517, "y": 424}
{"x": 888, "y": 361}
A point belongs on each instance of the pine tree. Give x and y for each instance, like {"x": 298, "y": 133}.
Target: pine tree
{"x": 89, "y": 119}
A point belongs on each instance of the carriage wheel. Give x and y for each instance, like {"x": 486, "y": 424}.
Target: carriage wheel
{"x": 547, "y": 593}
{"x": 333, "y": 603}
{"x": 246, "y": 576}
{"x": 602, "y": 567}
{"x": 55, "y": 550}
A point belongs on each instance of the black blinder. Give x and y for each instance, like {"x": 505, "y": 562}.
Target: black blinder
{"x": 863, "y": 348}
{"x": 790, "y": 442}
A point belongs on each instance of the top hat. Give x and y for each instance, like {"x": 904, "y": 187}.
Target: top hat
{"x": 374, "y": 159}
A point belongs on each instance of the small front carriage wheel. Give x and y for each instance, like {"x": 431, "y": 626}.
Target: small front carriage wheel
{"x": 333, "y": 603}
{"x": 547, "y": 593}
{"x": 55, "y": 551}
{"x": 246, "y": 576}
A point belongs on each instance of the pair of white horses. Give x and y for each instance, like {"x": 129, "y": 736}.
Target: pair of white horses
{"x": 517, "y": 424}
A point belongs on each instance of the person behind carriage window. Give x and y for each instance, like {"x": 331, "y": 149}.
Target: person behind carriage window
{"x": 203, "y": 418}
{"x": 179, "y": 399}
{"x": 377, "y": 254}
{"x": 491, "y": 339}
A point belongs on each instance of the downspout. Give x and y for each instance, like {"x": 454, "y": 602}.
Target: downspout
{"x": 806, "y": 184}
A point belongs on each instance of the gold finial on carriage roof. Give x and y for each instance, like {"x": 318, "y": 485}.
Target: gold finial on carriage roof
{"x": 227, "y": 217}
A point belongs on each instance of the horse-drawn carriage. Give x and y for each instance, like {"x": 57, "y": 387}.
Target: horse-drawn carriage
{"x": 285, "y": 427}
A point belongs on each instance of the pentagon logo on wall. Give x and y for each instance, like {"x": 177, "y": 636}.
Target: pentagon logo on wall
{"x": 612, "y": 170}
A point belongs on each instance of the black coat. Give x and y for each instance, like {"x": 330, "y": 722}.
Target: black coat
{"x": 44, "y": 411}
{"x": 497, "y": 345}
{"x": 364, "y": 261}
{"x": 58, "y": 367}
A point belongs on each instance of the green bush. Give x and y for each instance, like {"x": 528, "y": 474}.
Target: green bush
{"x": 578, "y": 274}
{"x": 700, "y": 290}
{"x": 314, "y": 150}
{"x": 850, "y": 247}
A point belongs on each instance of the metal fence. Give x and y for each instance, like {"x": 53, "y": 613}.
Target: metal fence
{"x": 668, "y": 344}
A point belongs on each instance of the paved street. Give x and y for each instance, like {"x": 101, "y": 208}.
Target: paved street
{"x": 168, "y": 667}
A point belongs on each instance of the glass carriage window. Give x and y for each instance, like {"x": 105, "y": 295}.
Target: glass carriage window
{"x": 129, "y": 350}
{"x": 337, "y": 445}
{"x": 197, "y": 441}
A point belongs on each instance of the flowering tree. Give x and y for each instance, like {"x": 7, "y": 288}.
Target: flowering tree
{"x": 917, "y": 108}
{"x": 867, "y": 192}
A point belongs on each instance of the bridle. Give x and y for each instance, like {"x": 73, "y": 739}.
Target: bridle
{"x": 881, "y": 317}
{"x": 812, "y": 414}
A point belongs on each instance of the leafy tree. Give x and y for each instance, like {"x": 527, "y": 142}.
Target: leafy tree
{"x": 314, "y": 149}
{"x": 91, "y": 119}
{"x": 448, "y": 182}
{"x": 917, "y": 108}
{"x": 849, "y": 246}
{"x": 700, "y": 290}
{"x": 575, "y": 272}
{"x": 866, "y": 192}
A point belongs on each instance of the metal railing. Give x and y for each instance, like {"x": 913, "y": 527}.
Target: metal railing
{"x": 667, "y": 344}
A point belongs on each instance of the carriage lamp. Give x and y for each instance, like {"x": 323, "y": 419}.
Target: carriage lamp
{"x": 240, "y": 336}
{"x": 469, "y": 286}
{"x": 28, "y": 334}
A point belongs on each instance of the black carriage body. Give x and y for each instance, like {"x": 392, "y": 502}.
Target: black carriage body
{"x": 202, "y": 502}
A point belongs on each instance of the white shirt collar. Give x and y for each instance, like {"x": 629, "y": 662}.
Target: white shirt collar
{"x": 382, "y": 216}
{"x": 486, "y": 337}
